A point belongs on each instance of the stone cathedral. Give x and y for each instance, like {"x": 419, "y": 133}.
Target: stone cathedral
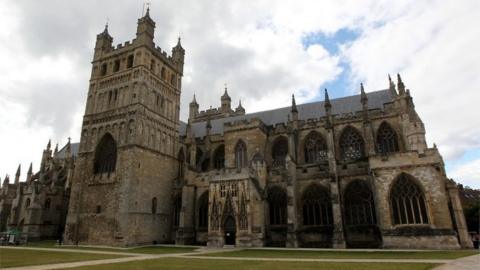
{"x": 343, "y": 173}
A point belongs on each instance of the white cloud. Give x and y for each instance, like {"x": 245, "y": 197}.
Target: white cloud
{"x": 434, "y": 46}
{"x": 468, "y": 174}
{"x": 254, "y": 46}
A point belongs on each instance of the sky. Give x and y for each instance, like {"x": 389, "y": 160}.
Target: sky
{"x": 263, "y": 50}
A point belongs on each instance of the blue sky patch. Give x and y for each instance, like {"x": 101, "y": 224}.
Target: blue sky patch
{"x": 331, "y": 43}
{"x": 341, "y": 85}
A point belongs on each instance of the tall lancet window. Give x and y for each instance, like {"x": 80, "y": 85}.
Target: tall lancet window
{"x": 407, "y": 202}
{"x": 240, "y": 155}
{"x": 351, "y": 144}
{"x": 387, "y": 141}
{"x": 315, "y": 148}
{"x": 105, "y": 155}
{"x": 279, "y": 151}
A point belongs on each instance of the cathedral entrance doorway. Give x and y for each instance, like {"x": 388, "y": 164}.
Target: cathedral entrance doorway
{"x": 361, "y": 228}
{"x": 229, "y": 229}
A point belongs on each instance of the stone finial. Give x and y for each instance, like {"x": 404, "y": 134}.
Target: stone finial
{"x": 294, "y": 104}
{"x": 194, "y": 101}
{"x": 147, "y": 14}
{"x": 18, "y": 170}
{"x": 6, "y": 180}
{"x": 391, "y": 86}
{"x": 363, "y": 95}
{"x": 56, "y": 149}
{"x": 225, "y": 95}
{"x": 30, "y": 171}
{"x": 240, "y": 107}
{"x": 49, "y": 144}
{"x": 400, "y": 85}
{"x": 68, "y": 150}
{"x": 327, "y": 103}
{"x": 179, "y": 44}
{"x": 17, "y": 174}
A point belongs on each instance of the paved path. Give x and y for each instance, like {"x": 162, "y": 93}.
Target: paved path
{"x": 320, "y": 260}
{"x": 76, "y": 250}
{"x": 466, "y": 263}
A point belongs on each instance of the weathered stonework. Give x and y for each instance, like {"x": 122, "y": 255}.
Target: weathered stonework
{"x": 348, "y": 172}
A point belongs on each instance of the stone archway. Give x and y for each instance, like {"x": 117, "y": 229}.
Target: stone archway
{"x": 229, "y": 229}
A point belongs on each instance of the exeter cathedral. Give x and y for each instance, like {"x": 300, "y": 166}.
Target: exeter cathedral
{"x": 348, "y": 172}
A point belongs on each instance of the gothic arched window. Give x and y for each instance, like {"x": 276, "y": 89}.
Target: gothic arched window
{"x": 163, "y": 74}
{"x": 387, "y": 141}
{"x": 219, "y": 157}
{"x": 240, "y": 155}
{"x": 359, "y": 205}
{"x": 277, "y": 204}
{"x": 105, "y": 155}
{"x": 407, "y": 202}
{"x": 177, "y": 207}
{"x": 27, "y": 203}
{"x": 103, "y": 70}
{"x": 154, "y": 205}
{"x": 279, "y": 151}
{"x": 203, "y": 211}
{"x": 48, "y": 203}
{"x": 130, "y": 61}
{"x": 316, "y": 206}
{"x": 315, "y": 148}
{"x": 351, "y": 144}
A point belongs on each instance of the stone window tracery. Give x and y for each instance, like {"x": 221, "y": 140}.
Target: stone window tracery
{"x": 279, "y": 151}
{"x": 407, "y": 202}
{"x": 316, "y": 206}
{"x": 219, "y": 159}
{"x": 351, "y": 144}
{"x": 387, "y": 141}
{"x": 277, "y": 203}
{"x": 359, "y": 204}
{"x": 130, "y": 61}
{"x": 243, "y": 218}
{"x": 315, "y": 148}
{"x": 240, "y": 155}
{"x": 105, "y": 155}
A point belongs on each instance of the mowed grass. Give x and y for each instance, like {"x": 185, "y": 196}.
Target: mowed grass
{"x": 23, "y": 257}
{"x": 321, "y": 254}
{"x": 204, "y": 264}
{"x": 139, "y": 250}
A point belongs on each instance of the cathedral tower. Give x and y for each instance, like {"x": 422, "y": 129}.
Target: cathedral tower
{"x": 127, "y": 155}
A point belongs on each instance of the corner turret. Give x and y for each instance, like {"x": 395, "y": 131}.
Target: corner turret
{"x": 294, "y": 109}
{"x": 178, "y": 55}
{"x": 226, "y": 102}
{"x": 145, "y": 29}
{"x": 193, "y": 109}
{"x": 103, "y": 43}
{"x": 240, "y": 110}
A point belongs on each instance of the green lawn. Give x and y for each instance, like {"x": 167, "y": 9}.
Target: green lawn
{"x": 263, "y": 253}
{"x": 199, "y": 264}
{"x": 140, "y": 250}
{"x": 22, "y": 257}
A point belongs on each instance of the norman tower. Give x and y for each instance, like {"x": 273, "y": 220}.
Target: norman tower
{"x": 127, "y": 163}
